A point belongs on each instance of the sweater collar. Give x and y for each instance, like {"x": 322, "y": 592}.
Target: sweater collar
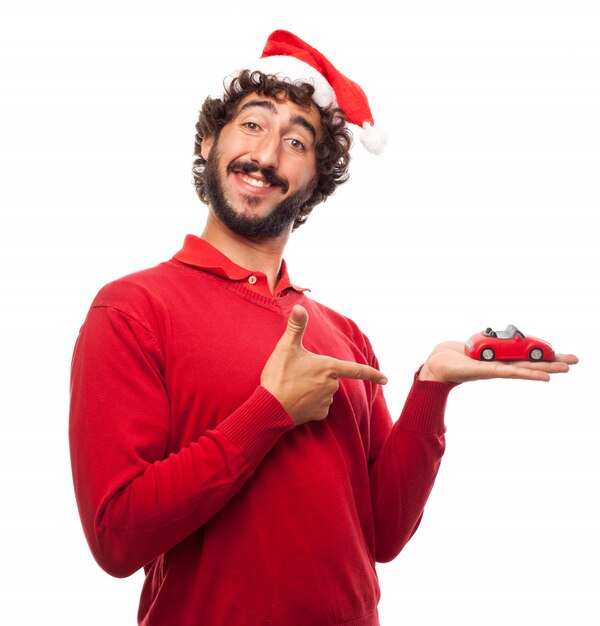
{"x": 201, "y": 254}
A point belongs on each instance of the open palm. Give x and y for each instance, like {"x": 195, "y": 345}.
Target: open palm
{"x": 449, "y": 363}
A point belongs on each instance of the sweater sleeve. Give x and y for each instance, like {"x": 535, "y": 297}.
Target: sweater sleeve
{"x": 135, "y": 500}
{"x": 405, "y": 460}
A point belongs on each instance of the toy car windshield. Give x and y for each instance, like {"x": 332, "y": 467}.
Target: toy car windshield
{"x": 510, "y": 332}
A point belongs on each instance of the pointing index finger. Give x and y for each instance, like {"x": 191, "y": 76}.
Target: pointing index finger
{"x": 358, "y": 371}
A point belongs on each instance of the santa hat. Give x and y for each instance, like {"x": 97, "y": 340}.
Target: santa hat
{"x": 287, "y": 56}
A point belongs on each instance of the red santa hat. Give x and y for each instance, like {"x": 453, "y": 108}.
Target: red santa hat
{"x": 287, "y": 56}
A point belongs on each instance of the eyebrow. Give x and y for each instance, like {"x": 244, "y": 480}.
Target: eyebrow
{"x": 298, "y": 120}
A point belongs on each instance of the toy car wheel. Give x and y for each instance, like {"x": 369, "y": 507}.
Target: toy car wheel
{"x": 487, "y": 354}
{"x": 536, "y": 354}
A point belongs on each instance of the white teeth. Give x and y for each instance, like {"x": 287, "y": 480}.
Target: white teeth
{"x": 255, "y": 182}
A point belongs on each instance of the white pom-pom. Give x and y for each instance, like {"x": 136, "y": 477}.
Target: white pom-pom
{"x": 373, "y": 139}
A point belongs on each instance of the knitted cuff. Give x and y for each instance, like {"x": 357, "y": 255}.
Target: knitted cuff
{"x": 257, "y": 425}
{"x": 425, "y": 405}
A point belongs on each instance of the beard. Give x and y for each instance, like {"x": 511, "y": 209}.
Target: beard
{"x": 275, "y": 223}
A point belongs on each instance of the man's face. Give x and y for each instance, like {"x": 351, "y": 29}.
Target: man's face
{"x": 262, "y": 167}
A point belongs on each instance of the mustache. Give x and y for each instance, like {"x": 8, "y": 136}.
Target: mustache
{"x": 268, "y": 174}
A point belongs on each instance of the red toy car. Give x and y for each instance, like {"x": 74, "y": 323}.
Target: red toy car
{"x": 507, "y": 345}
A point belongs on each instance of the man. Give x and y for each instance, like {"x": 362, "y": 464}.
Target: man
{"x": 228, "y": 433}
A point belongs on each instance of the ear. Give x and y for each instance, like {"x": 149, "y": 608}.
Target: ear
{"x": 207, "y": 143}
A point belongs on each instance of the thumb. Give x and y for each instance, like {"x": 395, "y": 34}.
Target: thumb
{"x": 296, "y": 325}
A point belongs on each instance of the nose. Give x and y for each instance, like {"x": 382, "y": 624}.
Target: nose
{"x": 265, "y": 151}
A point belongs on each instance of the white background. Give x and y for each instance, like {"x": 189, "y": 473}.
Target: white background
{"x": 482, "y": 212}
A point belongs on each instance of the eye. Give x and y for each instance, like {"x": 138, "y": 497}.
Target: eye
{"x": 296, "y": 144}
{"x": 253, "y": 126}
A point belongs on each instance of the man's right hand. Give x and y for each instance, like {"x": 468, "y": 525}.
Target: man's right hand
{"x": 304, "y": 382}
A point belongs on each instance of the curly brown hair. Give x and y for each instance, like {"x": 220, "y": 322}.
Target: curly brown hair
{"x": 332, "y": 150}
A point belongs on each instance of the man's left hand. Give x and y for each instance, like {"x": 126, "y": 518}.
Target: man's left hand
{"x": 449, "y": 363}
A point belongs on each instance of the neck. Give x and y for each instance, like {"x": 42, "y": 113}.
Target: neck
{"x": 258, "y": 255}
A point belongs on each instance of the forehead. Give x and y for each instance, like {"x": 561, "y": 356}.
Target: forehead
{"x": 285, "y": 109}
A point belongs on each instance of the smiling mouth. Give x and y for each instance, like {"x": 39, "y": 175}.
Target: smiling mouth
{"x": 256, "y": 177}
{"x": 255, "y": 182}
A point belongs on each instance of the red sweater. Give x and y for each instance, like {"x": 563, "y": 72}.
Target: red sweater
{"x": 184, "y": 465}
